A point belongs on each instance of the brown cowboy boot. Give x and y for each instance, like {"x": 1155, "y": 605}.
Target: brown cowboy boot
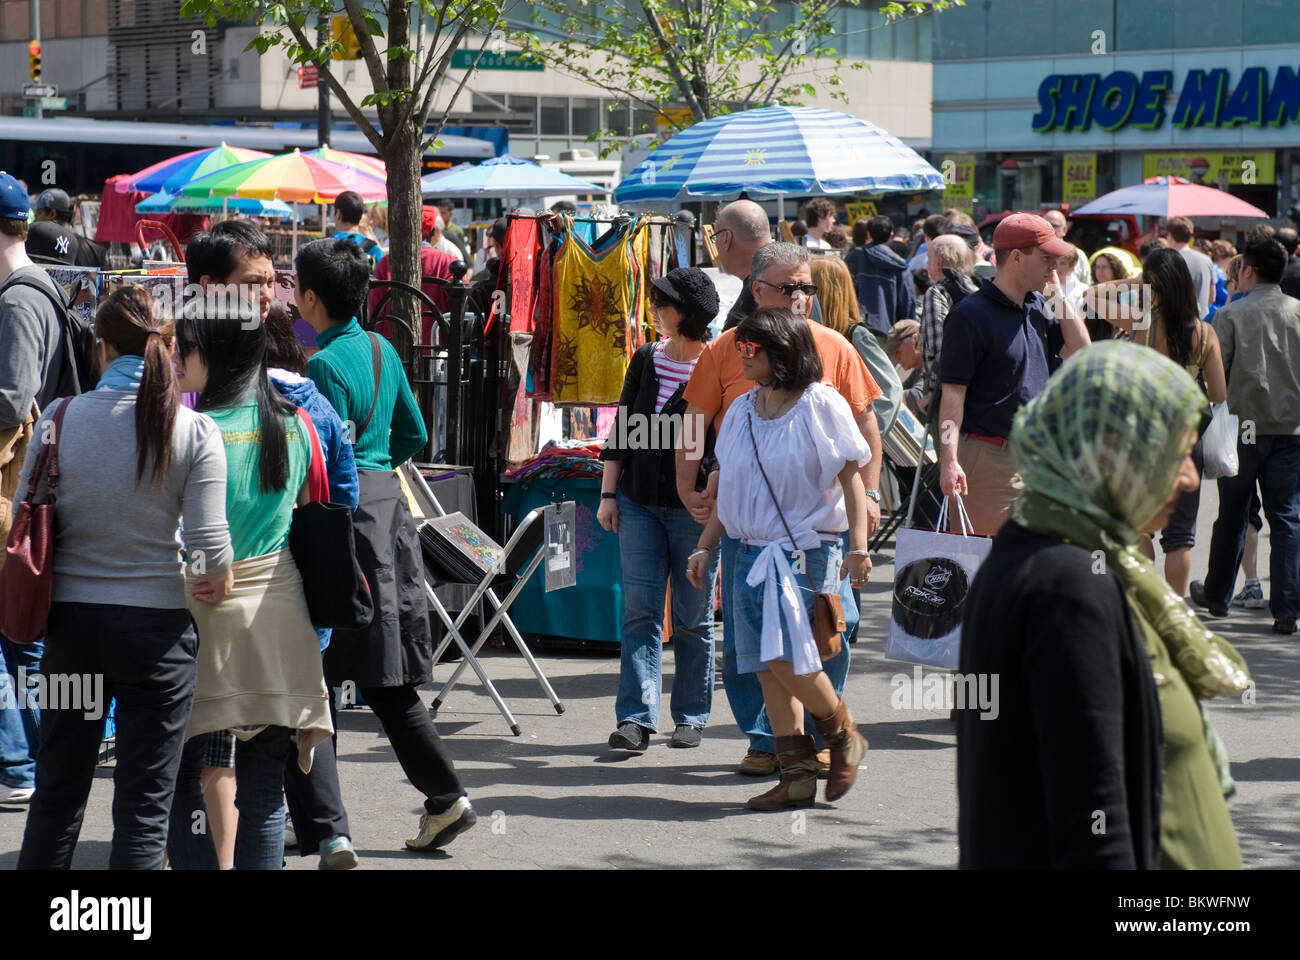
{"x": 847, "y": 749}
{"x": 798, "y": 785}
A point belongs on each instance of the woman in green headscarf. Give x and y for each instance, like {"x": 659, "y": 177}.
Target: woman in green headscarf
{"x": 1100, "y": 456}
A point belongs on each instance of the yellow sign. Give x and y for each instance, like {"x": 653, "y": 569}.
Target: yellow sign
{"x": 860, "y": 211}
{"x": 958, "y": 171}
{"x": 1079, "y": 178}
{"x": 1211, "y": 169}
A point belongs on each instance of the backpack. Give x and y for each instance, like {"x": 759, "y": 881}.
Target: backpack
{"x": 78, "y": 338}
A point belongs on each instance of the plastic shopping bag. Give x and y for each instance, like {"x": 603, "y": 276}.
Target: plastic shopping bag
{"x": 932, "y": 576}
{"x": 1219, "y": 444}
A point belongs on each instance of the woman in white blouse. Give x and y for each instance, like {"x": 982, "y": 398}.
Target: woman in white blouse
{"x": 800, "y": 433}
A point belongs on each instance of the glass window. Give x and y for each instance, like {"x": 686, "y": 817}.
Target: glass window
{"x": 961, "y": 32}
{"x": 587, "y": 118}
{"x": 1215, "y": 24}
{"x": 924, "y": 37}
{"x": 904, "y": 31}
{"x": 555, "y": 115}
{"x": 854, "y": 41}
{"x": 643, "y": 120}
{"x": 880, "y": 37}
{"x": 522, "y": 106}
{"x": 1030, "y": 29}
{"x": 1274, "y": 19}
{"x": 1077, "y": 21}
{"x": 614, "y": 116}
{"x": 1146, "y": 26}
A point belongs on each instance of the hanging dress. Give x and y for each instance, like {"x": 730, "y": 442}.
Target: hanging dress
{"x": 596, "y": 312}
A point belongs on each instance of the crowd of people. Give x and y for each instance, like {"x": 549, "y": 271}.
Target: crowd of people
{"x": 1066, "y": 393}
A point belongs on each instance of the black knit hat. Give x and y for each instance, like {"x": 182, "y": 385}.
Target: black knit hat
{"x": 692, "y": 288}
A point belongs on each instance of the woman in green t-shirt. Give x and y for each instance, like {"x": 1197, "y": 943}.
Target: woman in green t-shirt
{"x": 259, "y": 671}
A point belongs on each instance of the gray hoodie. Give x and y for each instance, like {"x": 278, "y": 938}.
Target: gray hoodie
{"x": 31, "y": 347}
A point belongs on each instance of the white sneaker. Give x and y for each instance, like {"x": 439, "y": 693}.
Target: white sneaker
{"x": 439, "y": 829}
{"x": 16, "y": 794}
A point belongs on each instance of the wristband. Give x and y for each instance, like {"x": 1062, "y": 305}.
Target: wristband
{"x": 699, "y": 550}
{"x": 858, "y": 553}
{"x": 609, "y": 496}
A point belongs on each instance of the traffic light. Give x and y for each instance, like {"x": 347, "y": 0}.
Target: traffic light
{"x": 34, "y": 61}
{"x": 341, "y": 31}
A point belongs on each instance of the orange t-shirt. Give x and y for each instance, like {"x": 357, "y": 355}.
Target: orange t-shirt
{"x": 719, "y": 378}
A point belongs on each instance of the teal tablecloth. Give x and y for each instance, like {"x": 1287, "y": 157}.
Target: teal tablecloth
{"x": 593, "y": 609}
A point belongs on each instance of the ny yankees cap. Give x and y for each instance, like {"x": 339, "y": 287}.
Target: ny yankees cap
{"x": 14, "y": 203}
{"x": 50, "y": 242}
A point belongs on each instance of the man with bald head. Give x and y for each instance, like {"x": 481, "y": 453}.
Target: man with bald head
{"x": 741, "y": 230}
{"x": 1082, "y": 272}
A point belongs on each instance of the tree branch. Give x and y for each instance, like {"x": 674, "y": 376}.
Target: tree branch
{"x": 688, "y": 92}
{"x": 363, "y": 123}
{"x": 369, "y": 52}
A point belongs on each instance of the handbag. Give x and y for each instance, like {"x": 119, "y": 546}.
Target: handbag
{"x": 828, "y": 624}
{"x": 27, "y": 578}
{"x": 323, "y": 547}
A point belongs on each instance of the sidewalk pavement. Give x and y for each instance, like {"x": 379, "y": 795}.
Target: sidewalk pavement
{"x": 558, "y": 796}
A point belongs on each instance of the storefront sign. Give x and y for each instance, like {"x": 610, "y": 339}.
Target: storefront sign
{"x": 1213, "y": 169}
{"x": 860, "y": 211}
{"x": 1079, "y": 178}
{"x": 958, "y": 171}
{"x": 1076, "y": 101}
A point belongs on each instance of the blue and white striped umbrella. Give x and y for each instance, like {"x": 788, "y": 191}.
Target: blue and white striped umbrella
{"x": 778, "y": 151}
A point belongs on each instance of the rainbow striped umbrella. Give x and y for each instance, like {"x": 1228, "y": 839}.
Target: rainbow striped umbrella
{"x": 358, "y": 161}
{"x": 292, "y": 177}
{"x": 167, "y": 175}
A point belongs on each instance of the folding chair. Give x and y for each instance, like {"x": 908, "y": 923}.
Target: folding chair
{"x": 523, "y": 554}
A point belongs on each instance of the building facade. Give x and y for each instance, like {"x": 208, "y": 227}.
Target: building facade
{"x": 1042, "y": 102}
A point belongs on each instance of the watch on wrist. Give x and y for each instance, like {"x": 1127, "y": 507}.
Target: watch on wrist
{"x": 608, "y": 496}
{"x": 873, "y": 494}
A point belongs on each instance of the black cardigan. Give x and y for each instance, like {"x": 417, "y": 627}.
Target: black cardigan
{"x": 650, "y": 476}
{"x": 1068, "y": 774}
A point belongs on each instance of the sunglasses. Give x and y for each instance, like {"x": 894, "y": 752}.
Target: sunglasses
{"x": 747, "y": 348}
{"x": 790, "y": 289}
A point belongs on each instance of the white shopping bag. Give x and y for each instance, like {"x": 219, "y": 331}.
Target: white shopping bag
{"x": 932, "y": 577}
{"x": 1219, "y": 444}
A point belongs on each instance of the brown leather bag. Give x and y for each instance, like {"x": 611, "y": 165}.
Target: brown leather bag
{"x": 13, "y": 452}
{"x": 828, "y": 624}
{"x": 27, "y": 578}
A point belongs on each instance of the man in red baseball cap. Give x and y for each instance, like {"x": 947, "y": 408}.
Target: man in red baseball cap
{"x": 1000, "y": 344}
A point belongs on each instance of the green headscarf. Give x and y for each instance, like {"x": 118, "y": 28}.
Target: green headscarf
{"x": 1099, "y": 452}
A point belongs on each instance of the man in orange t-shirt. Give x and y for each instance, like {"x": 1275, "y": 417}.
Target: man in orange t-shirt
{"x": 781, "y": 277}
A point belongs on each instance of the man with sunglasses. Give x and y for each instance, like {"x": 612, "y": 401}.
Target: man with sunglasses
{"x": 741, "y": 230}
{"x": 781, "y": 278}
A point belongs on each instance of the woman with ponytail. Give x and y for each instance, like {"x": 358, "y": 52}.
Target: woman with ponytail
{"x": 141, "y": 477}
{"x": 259, "y": 672}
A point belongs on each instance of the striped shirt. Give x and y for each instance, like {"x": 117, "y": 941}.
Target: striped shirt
{"x": 672, "y": 374}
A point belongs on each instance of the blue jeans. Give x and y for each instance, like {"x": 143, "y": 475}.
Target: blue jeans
{"x": 654, "y": 543}
{"x": 743, "y": 690}
{"x": 1273, "y": 461}
{"x": 259, "y": 797}
{"x": 19, "y": 725}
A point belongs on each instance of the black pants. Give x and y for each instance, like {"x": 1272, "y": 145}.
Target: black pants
{"x": 147, "y": 660}
{"x": 419, "y": 750}
{"x": 315, "y": 800}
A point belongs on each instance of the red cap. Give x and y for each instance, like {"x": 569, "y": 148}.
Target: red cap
{"x": 1028, "y": 230}
{"x": 428, "y": 218}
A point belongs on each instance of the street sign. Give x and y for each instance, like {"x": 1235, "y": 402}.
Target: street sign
{"x": 54, "y": 103}
{"x": 308, "y": 76}
{"x": 509, "y": 60}
{"x": 37, "y": 90}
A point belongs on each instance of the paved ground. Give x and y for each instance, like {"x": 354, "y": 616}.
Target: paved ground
{"x": 558, "y": 797}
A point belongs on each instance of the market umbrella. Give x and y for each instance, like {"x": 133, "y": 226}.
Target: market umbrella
{"x": 358, "y": 161}
{"x": 778, "y": 152}
{"x": 291, "y": 177}
{"x": 170, "y": 174}
{"x": 1171, "y": 197}
{"x": 167, "y": 203}
{"x": 429, "y": 182}
{"x": 506, "y": 176}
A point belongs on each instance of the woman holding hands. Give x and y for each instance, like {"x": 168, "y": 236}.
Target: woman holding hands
{"x": 789, "y": 452}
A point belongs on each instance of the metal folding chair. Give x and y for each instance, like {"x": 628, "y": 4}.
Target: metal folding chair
{"x": 523, "y": 554}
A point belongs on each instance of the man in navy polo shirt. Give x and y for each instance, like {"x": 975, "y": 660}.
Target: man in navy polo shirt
{"x": 1000, "y": 344}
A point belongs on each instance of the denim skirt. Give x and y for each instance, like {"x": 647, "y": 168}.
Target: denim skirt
{"x": 823, "y": 565}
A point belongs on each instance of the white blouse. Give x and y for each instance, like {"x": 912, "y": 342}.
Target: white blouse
{"x": 803, "y": 452}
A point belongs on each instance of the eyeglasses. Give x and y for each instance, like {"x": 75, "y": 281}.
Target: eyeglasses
{"x": 790, "y": 289}
{"x": 747, "y": 348}
{"x": 717, "y": 234}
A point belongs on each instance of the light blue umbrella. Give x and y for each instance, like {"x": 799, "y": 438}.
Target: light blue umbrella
{"x": 166, "y": 203}
{"x": 778, "y": 152}
{"x": 506, "y": 176}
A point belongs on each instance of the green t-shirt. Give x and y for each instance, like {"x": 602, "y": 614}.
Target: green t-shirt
{"x": 259, "y": 522}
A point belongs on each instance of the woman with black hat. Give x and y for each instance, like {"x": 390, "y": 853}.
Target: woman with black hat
{"x": 656, "y": 533}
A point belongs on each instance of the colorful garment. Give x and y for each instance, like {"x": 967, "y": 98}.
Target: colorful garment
{"x": 596, "y": 314}
{"x": 543, "y": 325}
{"x": 519, "y": 260}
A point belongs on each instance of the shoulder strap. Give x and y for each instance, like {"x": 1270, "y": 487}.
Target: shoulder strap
{"x": 47, "y": 461}
{"x": 376, "y": 360}
{"x": 1203, "y": 329}
{"x": 749, "y": 415}
{"x": 318, "y": 485}
{"x": 55, "y": 297}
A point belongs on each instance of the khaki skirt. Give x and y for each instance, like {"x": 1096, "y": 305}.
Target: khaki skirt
{"x": 259, "y": 658}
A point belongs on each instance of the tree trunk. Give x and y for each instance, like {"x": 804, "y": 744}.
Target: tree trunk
{"x": 403, "y": 162}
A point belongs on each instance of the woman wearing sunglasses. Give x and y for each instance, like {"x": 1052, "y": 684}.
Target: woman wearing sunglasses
{"x": 790, "y": 452}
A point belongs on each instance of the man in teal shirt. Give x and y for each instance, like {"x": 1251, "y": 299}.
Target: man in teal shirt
{"x": 361, "y": 375}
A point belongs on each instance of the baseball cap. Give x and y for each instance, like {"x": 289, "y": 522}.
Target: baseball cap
{"x": 51, "y": 242}
{"x": 14, "y": 203}
{"x": 54, "y": 199}
{"x": 1028, "y": 230}
{"x": 900, "y": 332}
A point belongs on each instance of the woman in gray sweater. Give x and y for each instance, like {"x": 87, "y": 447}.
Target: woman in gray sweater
{"x": 134, "y": 464}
